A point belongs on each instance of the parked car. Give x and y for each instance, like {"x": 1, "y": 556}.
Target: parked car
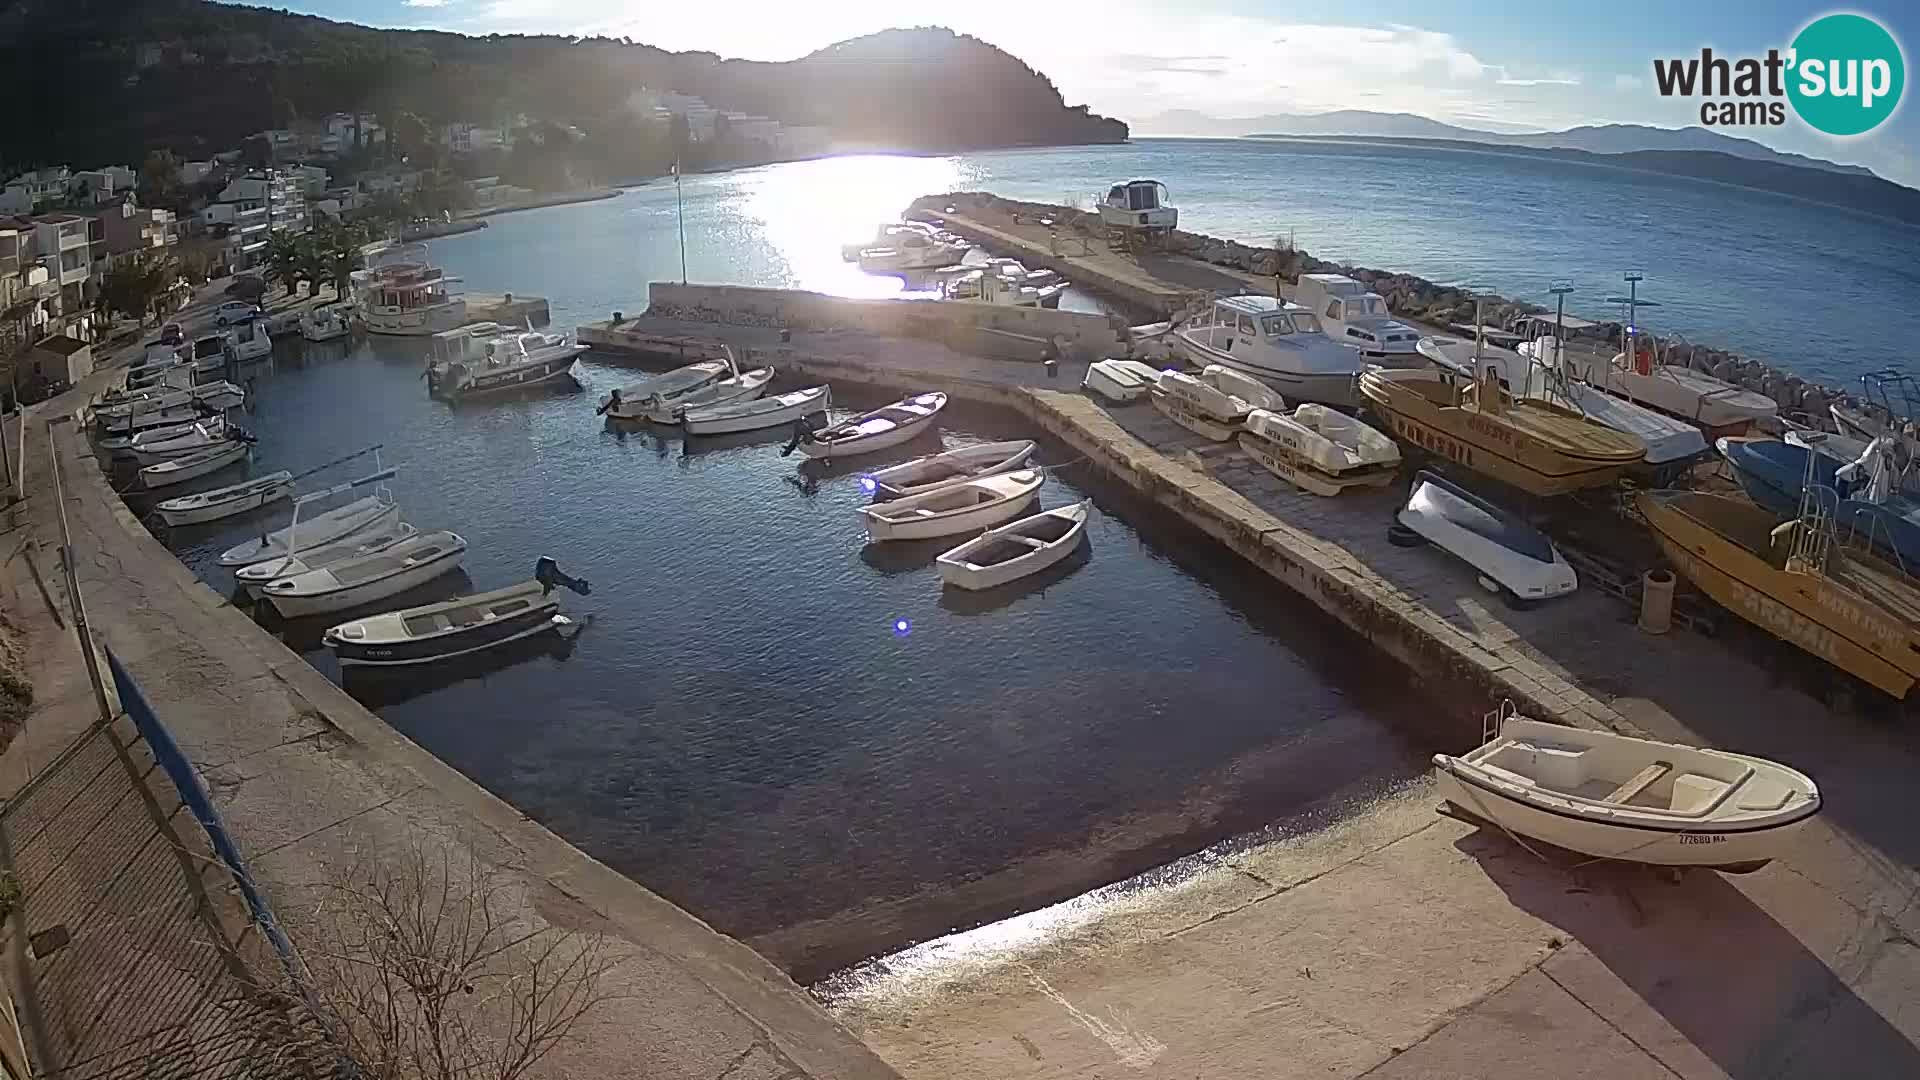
{"x": 173, "y": 334}
{"x": 234, "y": 311}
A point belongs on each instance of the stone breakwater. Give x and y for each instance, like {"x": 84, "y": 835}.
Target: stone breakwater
{"x": 1414, "y": 297}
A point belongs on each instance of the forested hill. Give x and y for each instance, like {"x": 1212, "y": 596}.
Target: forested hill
{"x": 92, "y": 81}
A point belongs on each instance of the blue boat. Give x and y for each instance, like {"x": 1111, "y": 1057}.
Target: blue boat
{"x": 1774, "y": 474}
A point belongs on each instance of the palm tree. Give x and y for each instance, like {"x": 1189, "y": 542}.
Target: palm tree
{"x": 283, "y": 260}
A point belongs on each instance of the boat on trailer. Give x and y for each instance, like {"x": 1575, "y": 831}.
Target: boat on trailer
{"x": 1321, "y": 450}
{"x": 1017, "y": 549}
{"x": 1635, "y": 800}
{"x": 1356, "y": 316}
{"x": 755, "y": 414}
{"x": 887, "y": 426}
{"x": 1512, "y": 557}
{"x": 937, "y": 470}
{"x": 366, "y": 514}
{"x": 1200, "y": 407}
{"x": 226, "y": 501}
{"x": 964, "y": 506}
{"x": 422, "y": 635}
{"x": 1120, "y": 381}
{"x": 1278, "y": 343}
{"x": 367, "y": 578}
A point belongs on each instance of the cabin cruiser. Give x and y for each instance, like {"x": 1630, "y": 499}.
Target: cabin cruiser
{"x": 250, "y": 339}
{"x": 1278, "y": 343}
{"x": 889, "y": 234}
{"x": 212, "y": 352}
{"x": 1139, "y": 204}
{"x": 912, "y": 249}
{"x": 402, "y": 293}
{"x": 479, "y": 359}
{"x": 1352, "y": 314}
{"x": 1003, "y": 282}
{"x": 328, "y": 322}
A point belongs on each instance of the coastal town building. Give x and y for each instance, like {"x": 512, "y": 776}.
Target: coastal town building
{"x": 127, "y": 230}
{"x": 64, "y": 246}
{"x": 30, "y": 191}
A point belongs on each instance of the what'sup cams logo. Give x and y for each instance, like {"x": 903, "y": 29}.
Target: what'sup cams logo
{"x": 1842, "y": 75}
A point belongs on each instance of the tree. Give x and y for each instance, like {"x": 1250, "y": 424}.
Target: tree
{"x": 132, "y": 286}
{"x": 283, "y": 260}
{"x": 159, "y": 180}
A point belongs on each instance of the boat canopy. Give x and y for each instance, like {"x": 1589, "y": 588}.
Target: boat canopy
{"x": 1138, "y": 195}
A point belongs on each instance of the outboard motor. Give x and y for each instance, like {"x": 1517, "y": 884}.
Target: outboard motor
{"x": 612, "y": 402}
{"x": 547, "y": 573}
{"x": 802, "y": 432}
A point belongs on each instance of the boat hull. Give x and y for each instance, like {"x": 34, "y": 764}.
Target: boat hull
{"x": 867, "y": 444}
{"x": 1773, "y": 474}
{"x": 519, "y": 377}
{"x": 1120, "y": 385}
{"x": 1183, "y": 412}
{"x": 1463, "y": 436}
{"x": 1282, "y": 461}
{"x": 694, "y": 423}
{"x": 1328, "y": 388}
{"x": 227, "y": 507}
{"x": 951, "y": 467}
{"x": 418, "y": 322}
{"x": 957, "y": 571}
{"x": 538, "y": 619}
{"x": 214, "y": 460}
{"x": 366, "y": 592}
{"x": 980, "y": 517}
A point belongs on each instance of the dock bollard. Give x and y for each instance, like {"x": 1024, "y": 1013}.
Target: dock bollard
{"x": 619, "y": 317}
{"x": 1656, "y": 601}
{"x": 1052, "y": 366}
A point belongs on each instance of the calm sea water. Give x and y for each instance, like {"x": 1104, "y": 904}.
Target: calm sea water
{"x": 1815, "y": 289}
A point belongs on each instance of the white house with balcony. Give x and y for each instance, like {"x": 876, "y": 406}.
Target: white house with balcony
{"x": 464, "y": 138}
{"x": 32, "y": 190}
{"x": 127, "y": 230}
{"x": 252, "y": 207}
{"x": 65, "y": 248}
{"x": 102, "y": 186}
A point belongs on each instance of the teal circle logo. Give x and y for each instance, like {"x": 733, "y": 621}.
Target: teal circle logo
{"x": 1847, "y": 74}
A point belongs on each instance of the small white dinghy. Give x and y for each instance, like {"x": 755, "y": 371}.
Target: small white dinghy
{"x": 1320, "y": 449}
{"x": 1017, "y": 549}
{"x": 959, "y": 507}
{"x": 1513, "y": 558}
{"x": 1615, "y": 797}
{"x": 752, "y": 415}
{"x": 253, "y": 577}
{"x": 745, "y": 386}
{"x": 376, "y": 511}
{"x": 887, "y": 426}
{"x": 1201, "y": 408}
{"x": 422, "y": 635}
{"x": 193, "y": 466}
{"x": 938, "y": 470}
{"x": 1120, "y": 381}
{"x": 1256, "y": 394}
{"x": 227, "y": 501}
{"x": 201, "y": 436}
{"x": 123, "y": 446}
{"x": 366, "y": 579}
{"x": 626, "y": 402}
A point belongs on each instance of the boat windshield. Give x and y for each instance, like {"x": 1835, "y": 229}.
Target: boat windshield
{"x": 1306, "y": 323}
{"x": 1277, "y": 325}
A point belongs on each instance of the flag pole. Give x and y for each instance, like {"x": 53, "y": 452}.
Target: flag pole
{"x": 681, "y": 206}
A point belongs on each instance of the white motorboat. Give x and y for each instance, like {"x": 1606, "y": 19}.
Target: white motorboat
{"x": 1256, "y": 394}
{"x": 196, "y": 465}
{"x": 1636, "y": 800}
{"x": 421, "y": 635}
{"x": 1120, "y": 381}
{"x": 366, "y": 579}
{"x": 250, "y": 340}
{"x": 1354, "y": 315}
{"x": 213, "y": 352}
{"x": 154, "y": 368}
{"x": 1694, "y": 396}
{"x": 756, "y": 414}
{"x": 742, "y": 386}
{"x": 203, "y": 435}
{"x": 479, "y": 359}
{"x": 887, "y": 426}
{"x": 938, "y": 470}
{"x": 912, "y": 250}
{"x": 254, "y": 576}
{"x": 1200, "y": 407}
{"x": 960, "y": 507}
{"x": 159, "y": 424}
{"x": 1017, "y": 549}
{"x": 366, "y": 514}
{"x": 626, "y": 402}
{"x": 327, "y": 322}
{"x": 1279, "y": 344}
{"x": 227, "y": 501}
{"x": 1139, "y": 204}
{"x": 402, "y": 293}
{"x": 139, "y": 412}
{"x": 1512, "y": 557}
{"x": 999, "y": 285}
{"x": 889, "y": 233}
{"x": 1319, "y": 449}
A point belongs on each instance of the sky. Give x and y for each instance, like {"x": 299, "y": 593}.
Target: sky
{"x": 1491, "y": 64}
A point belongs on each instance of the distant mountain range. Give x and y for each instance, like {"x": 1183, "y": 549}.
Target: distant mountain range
{"x": 1596, "y": 139}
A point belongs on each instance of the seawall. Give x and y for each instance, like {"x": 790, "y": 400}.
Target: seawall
{"x": 306, "y": 776}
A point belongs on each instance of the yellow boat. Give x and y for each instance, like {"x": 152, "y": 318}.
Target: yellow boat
{"x": 1533, "y": 445}
{"x": 1846, "y": 607}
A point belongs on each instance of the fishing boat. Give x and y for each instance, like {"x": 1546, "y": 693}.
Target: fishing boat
{"x": 1200, "y": 407}
{"x": 1120, "y": 381}
{"x": 1868, "y": 507}
{"x": 123, "y": 446}
{"x": 213, "y": 352}
{"x": 401, "y": 292}
{"x": 202, "y": 435}
{"x": 958, "y": 507}
{"x": 1356, "y": 316}
{"x": 1847, "y": 607}
{"x": 1617, "y": 797}
{"x": 889, "y": 425}
{"x": 780, "y": 410}
{"x": 366, "y": 579}
{"x": 1319, "y": 449}
{"x": 249, "y": 339}
{"x": 154, "y": 367}
{"x": 1512, "y": 557}
{"x": 888, "y": 234}
{"x": 421, "y": 635}
{"x": 1017, "y": 549}
{"x": 937, "y": 470}
{"x": 254, "y": 576}
{"x": 739, "y": 386}
{"x": 627, "y": 402}
{"x": 1277, "y": 343}
{"x": 193, "y": 466}
{"x": 1715, "y": 405}
{"x": 1888, "y": 404}
{"x": 998, "y": 286}
{"x": 468, "y": 362}
{"x": 328, "y": 322}
{"x": 366, "y": 514}
{"x": 226, "y": 501}
{"x": 156, "y": 407}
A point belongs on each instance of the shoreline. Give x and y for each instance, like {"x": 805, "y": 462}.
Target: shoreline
{"x": 565, "y": 198}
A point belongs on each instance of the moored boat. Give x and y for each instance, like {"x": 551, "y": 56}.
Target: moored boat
{"x": 1616, "y": 797}
{"x": 365, "y": 514}
{"x": 366, "y": 579}
{"x": 401, "y": 292}
{"x": 327, "y": 322}
{"x": 1017, "y": 549}
{"x": 958, "y": 507}
{"x": 887, "y": 426}
{"x": 479, "y": 359}
{"x": 203, "y": 435}
{"x": 226, "y": 501}
{"x": 755, "y": 414}
{"x": 1119, "y": 380}
{"x": 627, "y": 402}
{"x": 936, "y": 470}
{"x": 1319, "y": 449}
{"x": 193, "y": 466}
{"x": 1511, "y": 556}
{"x": 421, "y": 635}
{"x": 254, "y": 576}
{"x": 738, "y": 386}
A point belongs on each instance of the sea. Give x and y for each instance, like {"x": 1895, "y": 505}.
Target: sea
{"x": 800, "y": 736}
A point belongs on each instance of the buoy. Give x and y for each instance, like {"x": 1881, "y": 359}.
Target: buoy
{"x": 1656, "y": 601}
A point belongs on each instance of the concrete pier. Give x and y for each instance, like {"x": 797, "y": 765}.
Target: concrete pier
{"x": 510, "y": 309}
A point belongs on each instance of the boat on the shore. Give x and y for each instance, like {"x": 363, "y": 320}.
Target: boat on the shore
{"x": 1636, "y": 800}
{"x": 1872, "y": 510}
{"x": 1017, "y": 549}
{"x": 366, "y": 514}
{"x": 421, "y": 635}
{"x": 226, "y": 501}
{"x": 402, "y": 293}
{"x": 1715, "y": 405}
{"x": 193, "y": 466}
{"x": 781, "y": 410}
{"x": 937, "y": 470}
{"x": 1318, "y": 449}
{"x": 887, "y": 426}
{"x": 368, "y": 578}
{"x": 629, "y": 402}
{"x": 1354, "y": 315}
{"x": 1120, "y": 381}
{"x": 1277, "y": 343}
{"x": 1139, "y": 204}
{"x": 1200, "y": 407}
{"x": 1512, "y": 557}
{"x": 954, "y": 508}
{"x": 1256, "y": 394}
{"x": 254, "y": 576}
{"x": 479, "y": 359}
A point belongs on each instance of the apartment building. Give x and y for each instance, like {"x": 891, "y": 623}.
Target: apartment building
{"x": 127, "y": 230}
{"x": 64, "y": 246}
